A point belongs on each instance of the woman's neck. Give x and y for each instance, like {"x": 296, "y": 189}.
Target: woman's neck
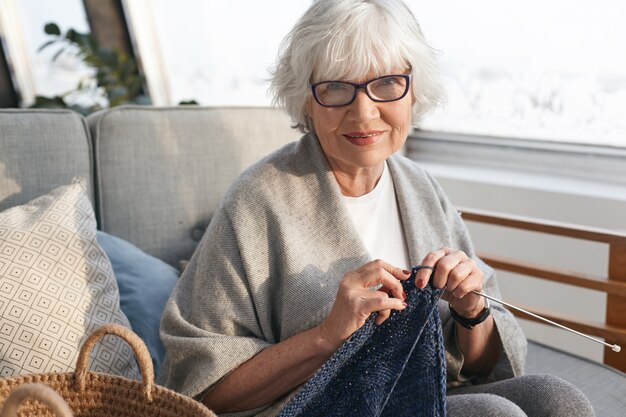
{"x": 359, "y": 181}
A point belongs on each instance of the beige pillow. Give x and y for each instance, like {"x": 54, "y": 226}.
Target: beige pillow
{"x": 57, "y": 286}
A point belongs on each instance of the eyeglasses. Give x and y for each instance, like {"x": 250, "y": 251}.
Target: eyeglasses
{"x": 341, "y": 93}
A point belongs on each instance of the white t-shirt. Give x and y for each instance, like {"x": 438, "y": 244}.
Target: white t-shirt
{"x": 377, "y": 220}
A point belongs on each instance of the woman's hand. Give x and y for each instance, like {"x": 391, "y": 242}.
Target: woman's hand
{"x": 460, "y": 274}
{"x": 356, "y": 300}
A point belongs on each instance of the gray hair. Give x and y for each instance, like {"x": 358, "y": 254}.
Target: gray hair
{"x": 347, "y": 39}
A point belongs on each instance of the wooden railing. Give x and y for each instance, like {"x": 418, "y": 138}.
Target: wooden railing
{"x": 613, "y": 330}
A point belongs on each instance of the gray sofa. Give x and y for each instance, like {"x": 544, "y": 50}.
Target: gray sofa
{"x": 156, "y": 175}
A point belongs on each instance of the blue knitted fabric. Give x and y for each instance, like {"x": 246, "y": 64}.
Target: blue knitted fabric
{"x": 396, "y": 369}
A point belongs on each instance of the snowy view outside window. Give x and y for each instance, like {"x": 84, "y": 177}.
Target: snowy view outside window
{"x": 545, "y": 70}
{"x": 536, "y": 69}
{"x": 549, "y": 70}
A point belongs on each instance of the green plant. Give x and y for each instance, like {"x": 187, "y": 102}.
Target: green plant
{"x": 116, "y": 79}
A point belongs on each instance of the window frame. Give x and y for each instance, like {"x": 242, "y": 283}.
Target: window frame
{"x": 16, "y": 53}
{"x": 580, "y": 169}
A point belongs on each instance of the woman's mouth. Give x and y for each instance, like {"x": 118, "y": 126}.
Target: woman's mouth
{"x": 363, "y": 138}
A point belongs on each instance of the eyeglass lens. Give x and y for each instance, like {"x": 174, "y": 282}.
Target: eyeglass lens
{"x": 337, "y": 93}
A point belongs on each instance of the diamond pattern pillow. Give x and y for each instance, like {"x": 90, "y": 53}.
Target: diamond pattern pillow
{"x": 57, "y": 286}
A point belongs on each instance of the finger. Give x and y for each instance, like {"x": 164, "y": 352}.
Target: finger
{"x": 385, "y": 290}
{"x": 398, "y": 273}
{"x": 394, "y": 286}
{"x": 445, "y": 266}
{"x": 430, "y": 260}
{"x": 382, "y": 316}
{"x": 378, "y": 301}
{"x": 473, "y": 282}
{"x": 390, "y": 293}
{"x": 377, "y": 274}
{"x": 459, "y": 273}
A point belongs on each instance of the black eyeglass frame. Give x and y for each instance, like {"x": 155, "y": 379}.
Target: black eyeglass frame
{"x": 362, "y": 85}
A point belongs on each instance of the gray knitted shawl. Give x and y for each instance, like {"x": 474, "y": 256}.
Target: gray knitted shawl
{"x": 269, "y": 266}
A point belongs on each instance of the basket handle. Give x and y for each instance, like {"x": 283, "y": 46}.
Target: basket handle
{"x": 134, "y": 341}
{"x": 39, "y": 392}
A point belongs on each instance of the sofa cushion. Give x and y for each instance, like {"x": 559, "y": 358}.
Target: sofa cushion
{"x": 161, "y": 172}
{"x": 56, "y": 287}
{"x": 145, "y": 284}
{"x": 41, "y": 150}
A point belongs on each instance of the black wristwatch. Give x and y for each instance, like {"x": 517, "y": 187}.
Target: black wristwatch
{"x": 471, "y": 322}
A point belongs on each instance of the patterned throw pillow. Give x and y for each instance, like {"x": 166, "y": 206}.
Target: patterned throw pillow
{"x": 56, "y": 287}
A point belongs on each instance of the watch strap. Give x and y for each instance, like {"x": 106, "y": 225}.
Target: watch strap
{"x": 469, "y": 323}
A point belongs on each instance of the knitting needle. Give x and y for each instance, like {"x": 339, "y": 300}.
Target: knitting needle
{"x": 614, "y": 348}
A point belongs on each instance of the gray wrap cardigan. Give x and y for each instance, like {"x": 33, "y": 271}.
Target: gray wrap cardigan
{"x": 270, "y": 263}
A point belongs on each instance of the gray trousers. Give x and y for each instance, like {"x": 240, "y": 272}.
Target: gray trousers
{"x": 524, "y": 396}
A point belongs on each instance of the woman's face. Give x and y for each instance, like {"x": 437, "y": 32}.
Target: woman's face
{"x": 361, "y": 134}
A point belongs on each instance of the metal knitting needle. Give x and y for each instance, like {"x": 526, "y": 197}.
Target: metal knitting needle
{"x": 614, "y": 348}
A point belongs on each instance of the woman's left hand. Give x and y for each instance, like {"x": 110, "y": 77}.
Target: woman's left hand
{"x": 459, "y": 274}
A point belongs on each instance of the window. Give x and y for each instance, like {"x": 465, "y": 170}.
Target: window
{"x": 213, "y": 52}
{"x": 21, "y": 27}
{"x": 552, "y": 70}
{"x": 546, "y": 70}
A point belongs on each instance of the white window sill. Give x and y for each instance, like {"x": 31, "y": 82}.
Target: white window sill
{"x": 598, "y": 172}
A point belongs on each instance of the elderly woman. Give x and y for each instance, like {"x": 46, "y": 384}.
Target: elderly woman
{"x": 312, "y": 240}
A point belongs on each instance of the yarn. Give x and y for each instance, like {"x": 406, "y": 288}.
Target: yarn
{"x": 396, "y": 369}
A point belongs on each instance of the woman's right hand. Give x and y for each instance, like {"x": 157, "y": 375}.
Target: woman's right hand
{"x": 356, "y": 300}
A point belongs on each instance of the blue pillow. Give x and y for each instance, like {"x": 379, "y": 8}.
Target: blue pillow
{"x": 145, "y": 284}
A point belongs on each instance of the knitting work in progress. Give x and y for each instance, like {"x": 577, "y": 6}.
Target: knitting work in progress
{"x": 396, "y": 369}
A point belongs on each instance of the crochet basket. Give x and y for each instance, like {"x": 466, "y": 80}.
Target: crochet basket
{"x": 93, "y": 394}
{"x": 39, "y": 392}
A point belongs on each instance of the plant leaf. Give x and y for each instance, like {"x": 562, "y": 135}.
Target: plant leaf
{"x": 52, "y": 29}
{"x": 45, "y": 45}
{"x": 108, "y": 56}
{"x": 135, "y": 85}
{"x": 71, "y": 35}
{"x": 143, "y": 100}
{"x": 58, "y": 53}
{"x": 117, "y": 95}
{"x": 126, "y": 69}
{"x": 191, "y": 102}
{"x": 49, "y": 102}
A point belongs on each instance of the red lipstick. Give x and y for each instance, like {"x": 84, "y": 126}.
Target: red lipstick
{"x": 363, "y": 138}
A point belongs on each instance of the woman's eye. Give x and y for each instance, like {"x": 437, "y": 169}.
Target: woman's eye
{"x": 336, "y": 86}
{"x": 389, "y": 81}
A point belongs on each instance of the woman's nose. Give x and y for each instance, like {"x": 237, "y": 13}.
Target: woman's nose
{"x": 363, "y": 108}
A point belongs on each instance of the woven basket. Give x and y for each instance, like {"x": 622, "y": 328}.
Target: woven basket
{"x": 92, "y": 394}
{"x": 39, "y": 392}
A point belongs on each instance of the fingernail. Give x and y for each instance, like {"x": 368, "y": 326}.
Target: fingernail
{"x": 405, "y": 272}
{"x": 403, "y": 295}
{"x": 404, "y": 304}
{"x": 420, "y": 283}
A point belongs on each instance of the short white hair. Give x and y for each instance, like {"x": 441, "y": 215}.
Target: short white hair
{"x": 347, "y": 39}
